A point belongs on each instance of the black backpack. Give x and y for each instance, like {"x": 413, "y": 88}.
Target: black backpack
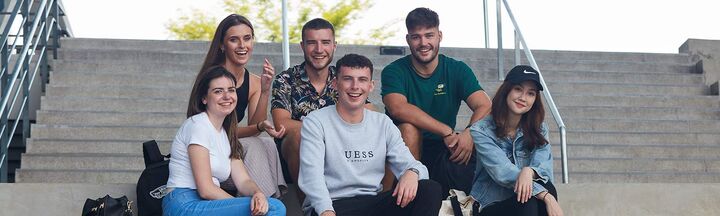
{"x": 151, "y": 185}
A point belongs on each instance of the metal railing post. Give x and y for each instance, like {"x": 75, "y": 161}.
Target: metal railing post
{"x": 56, "y": 28}
{"x": 45, "y": 44}
{"x": 500, "y": 59}
{"x": 286, "y": 39}
{"x": 485, "y": 22}
{"x": 517, "y": 48}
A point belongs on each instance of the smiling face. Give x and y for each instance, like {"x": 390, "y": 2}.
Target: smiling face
{"x": 521, "y": 98}
{"x": 353, "y": 86}
{"x": 318, "y": 47}
{"x": 238, "y": 44}
{"x": 424, "y": 43}
{"x": 221, "y": 98}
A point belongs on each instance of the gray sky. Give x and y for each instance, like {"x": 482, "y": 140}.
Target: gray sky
{"x": 659, "y": 26}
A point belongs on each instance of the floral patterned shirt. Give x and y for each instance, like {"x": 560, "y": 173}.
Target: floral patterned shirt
{"x": 293, "y": 91}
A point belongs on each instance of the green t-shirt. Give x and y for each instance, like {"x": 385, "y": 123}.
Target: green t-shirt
{"x": 438, "y": 95}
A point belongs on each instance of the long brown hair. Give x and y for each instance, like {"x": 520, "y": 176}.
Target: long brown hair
{"x": 215, "y": 55}
{"x": 195, "y": 106}
{"x": 530, "y": 122}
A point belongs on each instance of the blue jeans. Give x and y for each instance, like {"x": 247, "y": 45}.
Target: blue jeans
{"x": 184, "y": 201}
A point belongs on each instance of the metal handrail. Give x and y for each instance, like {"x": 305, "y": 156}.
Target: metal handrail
{"x": 520, "y": 40}
{"x": 36, "y": 40}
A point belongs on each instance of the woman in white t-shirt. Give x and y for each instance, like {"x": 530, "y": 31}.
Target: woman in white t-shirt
{"x": 205, "y": 152}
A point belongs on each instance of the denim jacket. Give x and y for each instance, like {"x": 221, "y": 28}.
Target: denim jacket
{"x": 499, "y": 161}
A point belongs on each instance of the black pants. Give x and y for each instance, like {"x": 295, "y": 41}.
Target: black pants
{"x": 427, "y": 202}
{"x": 533, "y": 207}
{"x": 436, "y": 157}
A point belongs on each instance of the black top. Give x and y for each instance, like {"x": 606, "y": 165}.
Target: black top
{"x": 242, "y": 96}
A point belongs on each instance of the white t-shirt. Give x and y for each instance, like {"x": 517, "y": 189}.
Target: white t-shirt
{"x": 198, "y": 130}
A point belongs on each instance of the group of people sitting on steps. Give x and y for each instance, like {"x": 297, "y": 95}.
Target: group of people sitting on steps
{"x": 346, "y": 158}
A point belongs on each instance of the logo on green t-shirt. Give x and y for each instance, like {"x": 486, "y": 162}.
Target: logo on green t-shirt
{"x": 440, "y": 89}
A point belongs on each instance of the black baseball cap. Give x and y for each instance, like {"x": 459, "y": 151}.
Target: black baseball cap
{"x": 521, "y": 73}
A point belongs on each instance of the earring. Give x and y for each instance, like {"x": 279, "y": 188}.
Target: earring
{"x": 222, "y": 50}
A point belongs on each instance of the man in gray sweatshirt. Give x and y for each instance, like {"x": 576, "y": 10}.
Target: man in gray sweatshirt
{"x": 344, "y": 149}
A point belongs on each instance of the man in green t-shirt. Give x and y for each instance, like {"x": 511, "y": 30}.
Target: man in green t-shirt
{"x": 422, "y": 94}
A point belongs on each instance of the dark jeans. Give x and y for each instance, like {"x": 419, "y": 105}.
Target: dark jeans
{"x": 533, "y": 207}
{"x": 450, "y": 175}
{"x": 426, "y": 202}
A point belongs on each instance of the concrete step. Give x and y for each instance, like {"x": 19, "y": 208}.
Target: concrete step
{"x": 556, "y": 87}
{"x": 621, "y": 77}
{"x": 643, "y": 102}
{"x": 636, "y": 138}
{"x": 202, "y": 46}
{"x": 601, "y": 88}
{"x": 127, "y": 92}
{"x": 638, "y": 151}
{"x": 124, "y": 74}
{"x": 77, "y": 176}
{"x": 146, "y": 88}
{"x": 621, "y": 125}
{"x": 49, "y": 146}
{"x": 19, "y": 199}
{"x": 563, "y": 101}
{"x": 654, "y": 113}
{"x": 74, "y": 161}
{"x": 100, "y": 80}
{"x": 115, "y": 105}
{"x": 608, "y": 199}
{"x": 86, "y": 118}
{"x": 706, "y": 102}
{"x": 102, "y": 132}
{"x": 639, "y": 165}
{"x": 117, "y": 67}
{"x": 378, "y": 61}
{"x": 625, "y": 177}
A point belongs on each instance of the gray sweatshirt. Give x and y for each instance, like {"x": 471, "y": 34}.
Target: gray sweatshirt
{"x": 339, "y": 159}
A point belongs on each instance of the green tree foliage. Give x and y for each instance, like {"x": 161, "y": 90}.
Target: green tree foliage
{"x": 266, "y": 16}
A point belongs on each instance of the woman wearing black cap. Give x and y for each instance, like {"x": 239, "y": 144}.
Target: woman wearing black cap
{"x": 514, "y": 171}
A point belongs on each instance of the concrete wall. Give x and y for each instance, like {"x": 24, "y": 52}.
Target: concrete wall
{"x": 575, "y": 199}
{"x": 707, "y": 55}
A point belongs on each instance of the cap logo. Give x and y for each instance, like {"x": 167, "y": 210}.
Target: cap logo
{"x": 525, "y": 71}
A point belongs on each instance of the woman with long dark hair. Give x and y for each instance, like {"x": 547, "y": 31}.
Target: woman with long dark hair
{"x": 231, "y": 48}
{"x": 205, "y": 152}
{"x": 514, "y": 171}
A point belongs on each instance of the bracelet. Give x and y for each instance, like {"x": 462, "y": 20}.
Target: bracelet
{"x": 258, "y": 127}
{"x": 543, "y": 199}
{"x": 416, "y": 171}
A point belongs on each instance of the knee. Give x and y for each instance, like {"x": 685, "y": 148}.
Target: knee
{"x": 408, "y": 129}
{"x": 411, "y": 135}
{"x": 275, "y": 207}
{"x": 430, "y": 189}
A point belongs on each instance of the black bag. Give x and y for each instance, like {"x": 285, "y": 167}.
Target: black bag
{"x": 151, "y": 185}
{"x": 108, "y": 206}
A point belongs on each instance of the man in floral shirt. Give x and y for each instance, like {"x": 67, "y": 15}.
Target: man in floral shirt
{"x": 304, "y": 88}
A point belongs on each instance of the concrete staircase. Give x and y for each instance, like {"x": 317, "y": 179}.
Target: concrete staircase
{"x": 631, "y": 117}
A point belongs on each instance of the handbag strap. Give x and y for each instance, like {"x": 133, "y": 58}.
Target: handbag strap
{"x": 457, "y": 210}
